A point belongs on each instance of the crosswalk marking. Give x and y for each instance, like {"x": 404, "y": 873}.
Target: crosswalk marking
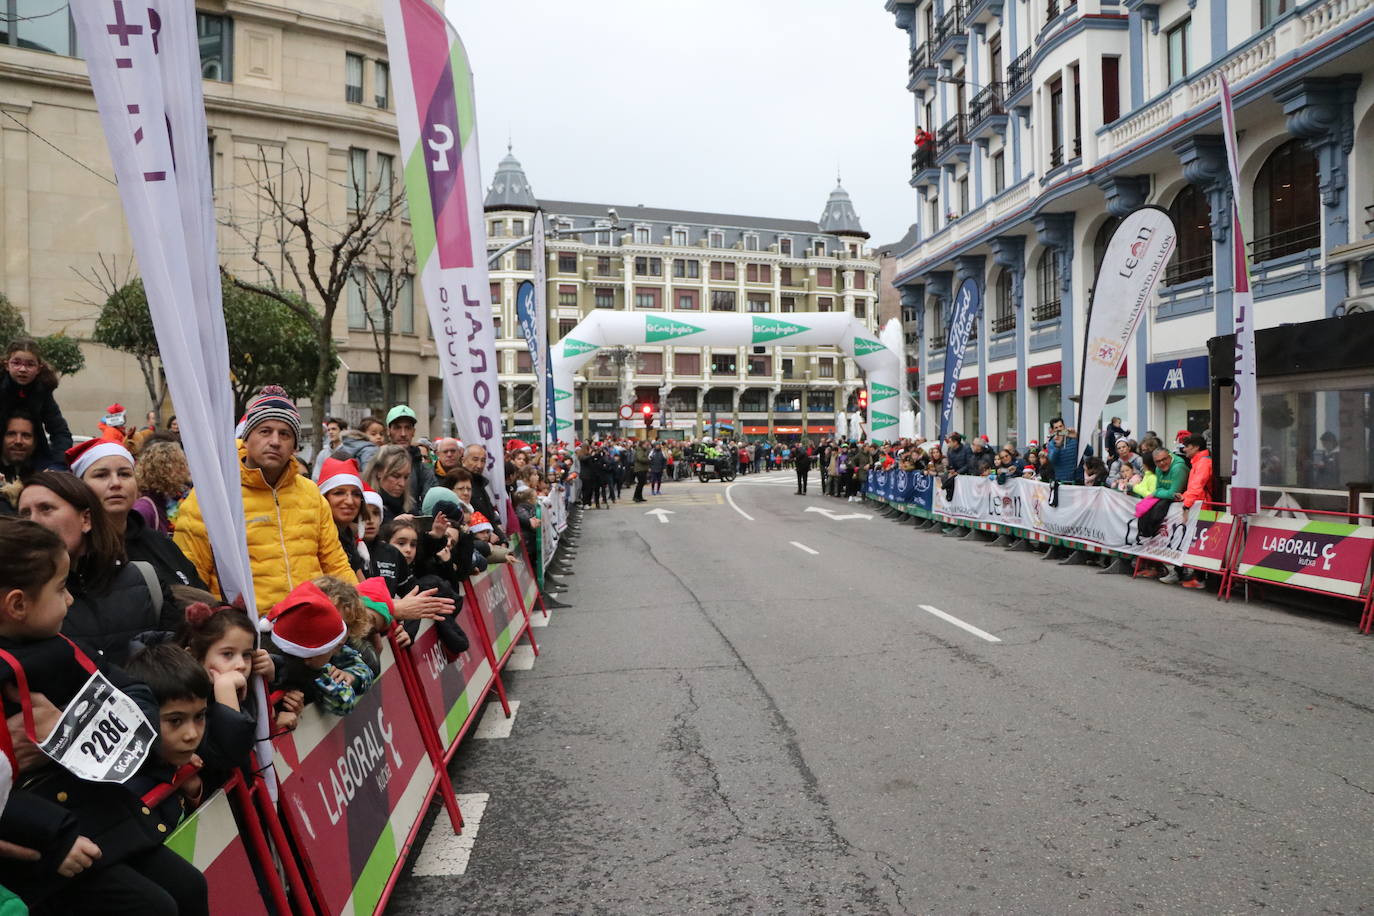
{"x": 446, "y": 853}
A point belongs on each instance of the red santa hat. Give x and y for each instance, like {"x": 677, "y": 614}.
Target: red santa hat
{"x": 372, "y": 498}
{"x": 81, "y": 457}
{"x": 305, "y": 623}
{"x": 339, "y": 472}
{"x": 478, "y": 522}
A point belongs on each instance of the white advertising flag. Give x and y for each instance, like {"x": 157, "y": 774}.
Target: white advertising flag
{"x": 1135, "y": 257}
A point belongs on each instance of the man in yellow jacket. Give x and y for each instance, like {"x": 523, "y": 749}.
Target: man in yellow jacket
{"x": 291, "y": 532}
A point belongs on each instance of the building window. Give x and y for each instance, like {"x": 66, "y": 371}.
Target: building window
{"x": 381, "y": 84}
{"x": 353, "y": 78}
{"x": 523, "y": 363}
{"x": 760, "y": 303}
{"x": 860, "y": 279}
{"x": 963, "y": 196}
{"x": 860, "y": 308}
{"x": 1056, "y": 123}
{"x": 1177, "y": 41}
{"x": 215, "y": 34}
{"x": 824, "y": 304}
{"x": 759, "y": 273}
{"x": 687, "y": 300}
{"x": 723, "y": 270}
{"x": 716, "y": 238}
{"x": 1271, "y": 10}
{"x": 785, "y": 246}
{"x": 825, "y": 367}
{"x": 686, "y": 363}
{"x": 1193, "y": 220}
{"x": 818, "y": 248}
{"x": 496, "y": 326}
{"x": 760, "y": 365}
{"x": 405, "y": 305}
{"x": 517, "y": 227}
{"x": 1047, "y": 284}
{"x": 646, "y": 297}
{"x": 567, "y": 262}
{"x": 603, "y": 266}
{"x": 1111, "y": 89}
{"x": 1005, "y": 317}
{"x": 788, "y": 304}
{"x": 641, "y": 235}
{"x": 365, "y": 390}
{"x": 648, "y": 267}
{"x": 496, "y": 228}
{"x": 357, "y": 298}
{"x": 751, "y": 241}
{"x": 604, "y": 298}
{"x": 680, "y": 238}
{"x": 722, "y": 364}
{"x": 357, "y": 178}
{"x": 686, "y": 268}
{"x": 567, "y": 296}
{"x": 566, "y": 326}
{"x": 723, "y": 300}
{"x": 650, "y": 364}
{"x": 603, "y": 238}
{"x": 523, "y": 261}
{"x": 825, "y": 276}
{"x": 385, "y": 177}
{"x": 1287, "y": 204}
{"x": 999, "y": 172}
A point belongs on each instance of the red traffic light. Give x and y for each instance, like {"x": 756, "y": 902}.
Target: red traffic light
{"x": 863, "y": 397}
{"x": 648, "y": 410}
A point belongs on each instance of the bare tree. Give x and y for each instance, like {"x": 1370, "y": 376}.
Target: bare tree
{"x": 120, "y": 321}
{"x": 390, "y": 279}
{"x": 297, "y": 244}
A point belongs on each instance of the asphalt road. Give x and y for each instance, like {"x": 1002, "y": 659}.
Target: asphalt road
{"x": 725, "y": 722}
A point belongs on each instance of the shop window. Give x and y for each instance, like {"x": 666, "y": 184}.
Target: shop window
{"x": 1316, "y": 435}
{"x": 1287, "y": 203}
{"x": 1192, "y": 218}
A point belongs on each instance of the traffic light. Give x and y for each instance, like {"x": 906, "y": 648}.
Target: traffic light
{"x": 863, "y": 402}
{"x": 648, "y": 415}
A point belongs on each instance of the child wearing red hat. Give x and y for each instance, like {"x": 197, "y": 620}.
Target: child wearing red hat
{"x": 311, "y": 633}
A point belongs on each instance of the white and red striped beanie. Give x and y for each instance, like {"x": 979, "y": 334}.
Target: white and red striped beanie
{"x": 271, "y": 403}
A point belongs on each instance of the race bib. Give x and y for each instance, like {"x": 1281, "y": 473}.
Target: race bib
{"x": 102, "y": 736}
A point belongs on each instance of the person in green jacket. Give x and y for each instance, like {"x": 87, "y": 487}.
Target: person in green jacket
{"x": 1172, "y": 473}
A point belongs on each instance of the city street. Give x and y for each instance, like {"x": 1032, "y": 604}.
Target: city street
{"x": 755, "y": 708}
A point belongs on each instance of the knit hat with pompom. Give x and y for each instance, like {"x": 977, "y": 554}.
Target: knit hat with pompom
{"x": 272, "y": 403}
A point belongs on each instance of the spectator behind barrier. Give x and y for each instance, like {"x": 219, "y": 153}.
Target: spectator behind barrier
{"x": 310, "y": 632}
{"x": 27, "y": 384}
{"x": 291, "y": 532}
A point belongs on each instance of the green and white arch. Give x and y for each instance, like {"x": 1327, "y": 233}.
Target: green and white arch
{"x": 881, "y": 365}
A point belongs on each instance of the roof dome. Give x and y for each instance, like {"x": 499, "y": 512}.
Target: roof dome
{"x": 839, "y": 217}
{"x": 510, "y": 189}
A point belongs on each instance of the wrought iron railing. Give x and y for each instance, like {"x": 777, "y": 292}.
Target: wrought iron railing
{"x": 986, "y": 103}
{"x": 1182, "y": 270}
{"x": 1018, "y": 72}
{"x": 1003, "y": 323}
{"x": 922, "y": 58}
{"x": 951, "y": 23}
{"x": 1047, "y": 311}
{"x": 1056, "y": 157}
{"x": 938, "y": 341}
{"x": 923, "y": 159}
{"x": 954, "y": 131}
{"x": 1288, "y": 241}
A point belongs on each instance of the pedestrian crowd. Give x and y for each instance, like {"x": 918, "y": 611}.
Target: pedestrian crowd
{"x": 106, "y": 565}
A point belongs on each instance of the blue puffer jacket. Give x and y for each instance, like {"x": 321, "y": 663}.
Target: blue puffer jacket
{"x": 1064, "y": 459}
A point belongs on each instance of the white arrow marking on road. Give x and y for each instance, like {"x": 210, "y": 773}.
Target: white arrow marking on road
{"x": 661, "y": 513}
{"x": 950, "y": 618}
{"x": 835, "y": 516}
{"x": 800, "y": 546}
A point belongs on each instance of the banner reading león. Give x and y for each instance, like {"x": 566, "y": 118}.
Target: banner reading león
{"x": 437, "y": 123}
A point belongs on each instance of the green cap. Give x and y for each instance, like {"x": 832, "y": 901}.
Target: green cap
{"x": 398, "y": 412}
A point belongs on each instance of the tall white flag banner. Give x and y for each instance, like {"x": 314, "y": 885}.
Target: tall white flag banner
{"x": 540, "y": 358}
{"x": 1135, "y": 257}
{"x": 144, "y": 62}
{"x": 437, "y": 124}
{"x": 1245, "y": 446}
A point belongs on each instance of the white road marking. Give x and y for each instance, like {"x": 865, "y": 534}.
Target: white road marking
{"x": 661, "y": 513}
{"x": 521, "y": 658}
{"x": 801, "y": 546}
{"x": 539, "y": 620}
{"x": 446, "y": 853}
{"x": 838, "y": 516}
{"x": 731, "y": 499}
{"x": 495, "y": 724}
{"x": 950, "y": 618}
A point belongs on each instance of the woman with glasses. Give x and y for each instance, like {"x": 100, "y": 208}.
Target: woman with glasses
{"x": 28, "y": 383}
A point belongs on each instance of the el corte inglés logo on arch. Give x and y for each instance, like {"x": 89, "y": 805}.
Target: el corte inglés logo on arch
{"x": 880, "y": 392}
{"x": 878, "y": 420}
{"x": 772, "y": 329}
{"x": 574, "y": 347}
{"x": 657, "y": 328}
{"x": 864, "y": 347}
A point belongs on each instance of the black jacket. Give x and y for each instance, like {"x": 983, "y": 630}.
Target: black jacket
{"x": 161, "y": 552}
{"x": 51, "y": 437}
{"x": 103, "y": 623}
{"x": 481, "y": 501}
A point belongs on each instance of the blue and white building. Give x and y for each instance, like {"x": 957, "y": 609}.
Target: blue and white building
{"x": 1053, "y": 119}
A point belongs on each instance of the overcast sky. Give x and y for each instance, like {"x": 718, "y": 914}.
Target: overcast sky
{"x": 733, "y": 106}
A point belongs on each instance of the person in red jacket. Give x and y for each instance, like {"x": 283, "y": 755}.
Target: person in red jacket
{"x": 1199, "y": 490}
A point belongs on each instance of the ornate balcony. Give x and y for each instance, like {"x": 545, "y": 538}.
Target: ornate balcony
{"x": 953, "y": 140}
{"x": 1018, "y": 76}
{"x": 921, "y": 71}
{"x": 951, "y": 32}
{"x": 986, "y": 113}
{"x": 924, "y": 170}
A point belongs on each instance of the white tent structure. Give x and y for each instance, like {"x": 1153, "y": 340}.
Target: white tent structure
{"x": 881, "y": 365}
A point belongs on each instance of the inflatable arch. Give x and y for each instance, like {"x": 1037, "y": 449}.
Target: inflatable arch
{"x": 881, "y": 365}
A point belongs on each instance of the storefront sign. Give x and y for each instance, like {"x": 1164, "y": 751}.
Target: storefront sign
{"x": 1002, "y": 381}
{"x": 1188, "y": 374}
{"x": 1323, "y": 556}
{"x": 966, "y": 387}
{"x": 1048, "y": 374}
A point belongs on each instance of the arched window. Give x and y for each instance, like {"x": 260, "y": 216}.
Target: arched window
{"x": 938, "y": 331}
{"x": 1287, "y": 203}
{"x": 1005, "y": 316}
{"x": 1047, "y": 304}
{"x": 1192, "y": 218}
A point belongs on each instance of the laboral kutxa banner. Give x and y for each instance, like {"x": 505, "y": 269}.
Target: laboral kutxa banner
{"x": 1324, "y": 556}
{"x": 436, "y": 121}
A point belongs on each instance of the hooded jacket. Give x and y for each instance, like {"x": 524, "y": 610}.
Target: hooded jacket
{"x": 291, "y": 535}
{"x": 51, "y": 436}
{"x": 356, "y": 446}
